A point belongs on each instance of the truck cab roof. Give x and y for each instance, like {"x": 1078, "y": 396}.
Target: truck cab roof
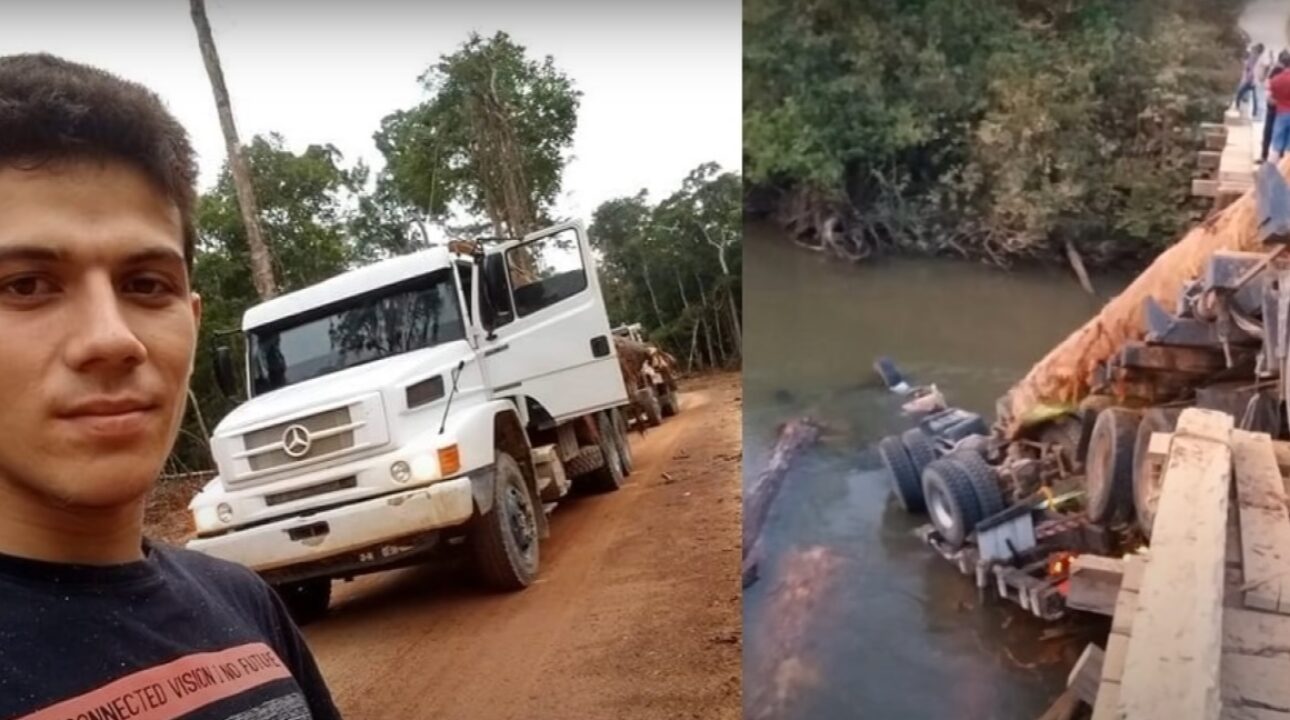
{"x": 347, "y": 284}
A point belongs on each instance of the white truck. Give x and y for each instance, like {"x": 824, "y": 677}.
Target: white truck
{"x": 423, "y": 399}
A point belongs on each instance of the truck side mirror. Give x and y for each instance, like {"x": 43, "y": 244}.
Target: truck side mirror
{"x": 225, "y": 376}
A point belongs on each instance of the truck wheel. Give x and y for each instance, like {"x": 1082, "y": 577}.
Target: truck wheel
{"x": 505, "y": 539}
{"x": 624, "y": 440}
{"x": 951, "y": 501}
{"x": 904, "y": 478}
{"x": 648, "y": 401}
{"x": 1147, "y": 476}
{"x": 1108, "y": 467}
{"x": 306, "y": 600}
{"x": 609, "y": 476}
{"x": 984, "y": 479}
{"x": 667, "y": 401}
{"x": 919, "y": 447}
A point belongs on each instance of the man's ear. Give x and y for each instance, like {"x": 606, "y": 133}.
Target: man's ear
{"x": 196, "y": 301}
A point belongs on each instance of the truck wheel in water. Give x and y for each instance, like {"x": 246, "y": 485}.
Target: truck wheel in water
{"x": 505, "y": 539}
{"x": 984, "y": 480}
{"x": 624, "y": 441}
{"x": 306, "y": 600}
{"x": 919, "y": 447}
{"x": 951, "y": 501}
{"x": 1148, "y": 475}
{"x": 609, "y": 476}
{"x": 904, "y": 477}
{"x": 1108, "y": 467}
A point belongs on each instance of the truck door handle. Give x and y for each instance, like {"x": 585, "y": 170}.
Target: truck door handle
{"x": 599, "y": 346}
{"x": 494, "y": 350}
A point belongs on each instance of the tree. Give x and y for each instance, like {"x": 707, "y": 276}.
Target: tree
{"x": 306, "y": 200}
{"x": 674, "y": 266}
{"x": 986, "y": 128}
{"x": 260, "y": 259}
{"x": 492, "y": 138}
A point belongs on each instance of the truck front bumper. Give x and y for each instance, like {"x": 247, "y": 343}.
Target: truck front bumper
{"x": 364, "y": 524}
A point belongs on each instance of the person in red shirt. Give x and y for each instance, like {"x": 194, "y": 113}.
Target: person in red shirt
{"x": 1279, "y": 96}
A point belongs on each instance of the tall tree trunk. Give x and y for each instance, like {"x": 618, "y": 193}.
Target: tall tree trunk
{"x": 653, "y": 299}
{"x": 685, "y": 301}
{"x": 730, "y": 295}
{"x": 716, "y": 318}
{"x": 707, "y": 340}
{"x": 261, "y": 261}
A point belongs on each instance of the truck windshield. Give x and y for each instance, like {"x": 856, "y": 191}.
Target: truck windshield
{"x": 410, "y": 315}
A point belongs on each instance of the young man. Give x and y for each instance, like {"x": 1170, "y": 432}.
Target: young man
{"x": 98, "y": 325}
{"x": 1270, "y": 118}
{"x": 1279, "y": 95}
{"x": 1249, "y": 78}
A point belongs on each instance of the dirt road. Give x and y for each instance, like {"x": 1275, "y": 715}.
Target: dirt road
{"x": 636, "y": 613}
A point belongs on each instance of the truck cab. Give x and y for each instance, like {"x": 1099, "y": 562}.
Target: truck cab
{"x": 426, "y": 397}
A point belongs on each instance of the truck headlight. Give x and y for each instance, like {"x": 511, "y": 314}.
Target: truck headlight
{"x": 401, "y": 472}
{"x": 208, "y": 517}
{"x": 425, "y": 467}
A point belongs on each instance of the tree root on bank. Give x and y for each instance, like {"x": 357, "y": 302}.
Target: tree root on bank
{"x": 823, "y": 226}
{"x": 794, "y": 436}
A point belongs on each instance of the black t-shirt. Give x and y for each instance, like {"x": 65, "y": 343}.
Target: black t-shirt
{"x": 175, "y": 635}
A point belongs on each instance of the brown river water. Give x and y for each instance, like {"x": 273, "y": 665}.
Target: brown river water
{"x": 890, "y": 630}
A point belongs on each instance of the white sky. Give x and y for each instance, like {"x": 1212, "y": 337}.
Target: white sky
{"x": 660, "y": 81}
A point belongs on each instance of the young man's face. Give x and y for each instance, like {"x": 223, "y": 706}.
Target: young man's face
{"x": 97, "y": 330}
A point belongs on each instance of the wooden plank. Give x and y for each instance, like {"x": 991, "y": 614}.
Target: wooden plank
{"x": 1108, "y": 698}
{"x": 1087, "y": 674}
{"x": 1177, "y": 358}
{"x": 1172, "y": 663}
{"x": 1281, "y": 449}
{"x": 1063, "y": 708}
{"x": 1248, "y": 713}
{"x": 1215, "y": 141}
{"x": 1208, "y": 159}
{"x": 1094, "y": 583}
{"x": 1201, "y": 187}
{"x": 1252, "y": 681}
{"x": 1264, "y": 522}
{"x": 1117, "y": 646}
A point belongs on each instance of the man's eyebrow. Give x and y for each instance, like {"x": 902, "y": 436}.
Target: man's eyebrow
{"x": 157, "y": 253}
{"x": 30, "y": 252}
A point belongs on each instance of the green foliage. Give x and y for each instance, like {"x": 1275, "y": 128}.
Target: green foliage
{"x": 995, "y": 129}
{"x": 492, "y": 137}
{"x": 303, "y": 209}
{"x": 662, "y": 265}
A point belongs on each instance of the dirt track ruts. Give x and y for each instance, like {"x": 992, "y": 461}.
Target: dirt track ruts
{"x": 636, "y": 613}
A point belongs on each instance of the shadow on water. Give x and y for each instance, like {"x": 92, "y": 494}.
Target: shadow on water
{"x": 897, "y": 632}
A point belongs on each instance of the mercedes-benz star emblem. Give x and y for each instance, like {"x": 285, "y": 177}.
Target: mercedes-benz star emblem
{"x": 296, "y": 441}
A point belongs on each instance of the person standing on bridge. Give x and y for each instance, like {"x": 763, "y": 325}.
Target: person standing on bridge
{"x": 1279, "y": 96}
{"x": 98, "y": 327}
{"x": 1270, "y": 117}
{"x": 1249, "y": 78}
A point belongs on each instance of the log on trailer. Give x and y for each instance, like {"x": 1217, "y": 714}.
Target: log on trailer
{"x": 1063, "y": 377}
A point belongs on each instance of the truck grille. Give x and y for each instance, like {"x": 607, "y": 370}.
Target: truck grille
{"x": 329, "y": 432}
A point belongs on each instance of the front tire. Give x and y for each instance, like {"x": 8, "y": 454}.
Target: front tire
{"x": 609, "y": 476}
{"x": 505, "y": 539}
{"x": 624, "y": 441}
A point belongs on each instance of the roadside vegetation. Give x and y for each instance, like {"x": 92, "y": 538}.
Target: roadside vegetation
{"x": 997, "y": 130}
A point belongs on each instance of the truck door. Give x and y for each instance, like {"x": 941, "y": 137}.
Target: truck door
{"x": 550, "y": 336}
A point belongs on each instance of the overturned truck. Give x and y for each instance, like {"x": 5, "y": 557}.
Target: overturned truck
{"x": 1070, "y": 466}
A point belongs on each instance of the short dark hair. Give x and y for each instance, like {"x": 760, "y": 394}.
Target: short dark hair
{"x": 52, "y": 109}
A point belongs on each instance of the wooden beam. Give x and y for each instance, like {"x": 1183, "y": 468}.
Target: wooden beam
{"x": 1094, "y": 584}
{"x": 1086, "y": 674}
{"x": 1264, "y": 522}
{"x": 1176, "y": 358}
{"x": 1172, "y": 662}
{"x": 1204, "y": 188}
{"x": 1208, "y": 159}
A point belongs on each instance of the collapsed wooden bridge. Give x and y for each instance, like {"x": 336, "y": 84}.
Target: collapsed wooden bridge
{"x": 1200, "y": 622}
